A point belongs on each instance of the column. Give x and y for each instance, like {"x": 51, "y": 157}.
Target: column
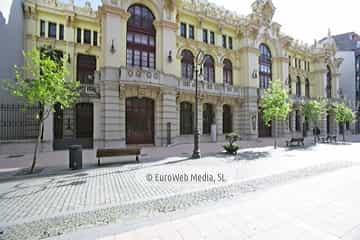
{"x": 168, "y": 116}
{"x": 114, "y": 109}
{"x": 248, "y": 118}
{"x": 219, "y": 119}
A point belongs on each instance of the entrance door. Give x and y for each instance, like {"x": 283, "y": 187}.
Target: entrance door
{"x": 227, "y": 119}
{"x": 139, "y": 121}
{"x": 186, "y": 118}
{"x": 85, "y": 124}
{"x": 58, "y": 122}
{"x": 208, "y": 117}
{"x": 264, "y": 130}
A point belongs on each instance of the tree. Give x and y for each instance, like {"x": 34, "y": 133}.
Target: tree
{"x": 343, "y": 115}
{"x": 275, "y": 105}
{"x": 45, "y": 86}
{"x": 313, "y": 110}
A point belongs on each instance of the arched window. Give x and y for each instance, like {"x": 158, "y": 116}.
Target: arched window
{"x": 307, "y": 88}
{"x": 265, "y": 62}
{"x": 140, "y": 37}
{"x": 209, "y": 69}
{"x": 328, "y": 82}
{"x": 298, "y": 86}
{"x": 228, "y": 72}
{"x": 187, "y": 64}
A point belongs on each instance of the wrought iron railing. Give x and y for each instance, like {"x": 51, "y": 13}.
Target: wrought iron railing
{"x": 18, "y": 121}
{"x": 90, "y": 90}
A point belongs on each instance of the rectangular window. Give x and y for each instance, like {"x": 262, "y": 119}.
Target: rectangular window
{"x": 78, "y": 35}
{"x": 87, "y": 36}
{"x": 205, "y": 35}
{"x": 42, "y": 28}
{"x": 151, "y": 60}
{"x": 95, "y": 38}
{"x": 212, "y": 37}
{"x": 61, "y": 32}
{"x": 230, "y": 43}
{"x": 129, "y": 57}
{"x": 144, "y": 59}
{"x": 86, "y": 66}
{"x": 183, "y": 30}
{"x": 224, "y": 41}
{"x": 52, "y": 30}
{"x": 191, "y": 32}
{"x": 151, "y": 41}
{"x": 136, "y": 58}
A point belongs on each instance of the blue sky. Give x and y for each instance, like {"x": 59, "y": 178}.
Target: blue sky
{"x": 94, "y": 3}
{"x": 305, "y": 20}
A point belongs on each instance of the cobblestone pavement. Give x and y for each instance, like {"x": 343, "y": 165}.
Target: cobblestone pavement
{"x": 49, "y": 162}
{"x": 319, "y": 208}
{"x": 47, "y": 206}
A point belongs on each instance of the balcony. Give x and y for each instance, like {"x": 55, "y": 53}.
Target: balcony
{"x": 216, "y": 89}
{"x": 155, "y": 78}
{"x": 89, "y": 90}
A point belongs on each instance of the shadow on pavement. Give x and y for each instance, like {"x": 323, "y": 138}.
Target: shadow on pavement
{"x": 252, "y": 155}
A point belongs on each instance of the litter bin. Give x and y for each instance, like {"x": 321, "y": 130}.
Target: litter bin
{"x": 75, "y": 157}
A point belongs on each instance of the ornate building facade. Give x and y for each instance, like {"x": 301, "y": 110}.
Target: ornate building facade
{"x": 135, "y": 60}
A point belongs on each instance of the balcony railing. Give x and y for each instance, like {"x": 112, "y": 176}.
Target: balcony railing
{"x": 209, "y": 88}
{"x": 90, "y": 90}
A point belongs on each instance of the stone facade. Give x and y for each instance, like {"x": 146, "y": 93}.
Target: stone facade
{"x": 120, "y": 90}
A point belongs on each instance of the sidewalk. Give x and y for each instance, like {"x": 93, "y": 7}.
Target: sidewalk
{"x": 50, "y": 163}
{"x": 53, "y": 205}
{"x": 297, "y": 211}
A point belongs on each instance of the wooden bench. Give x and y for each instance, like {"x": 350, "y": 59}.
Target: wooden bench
{"x": 118, "y": 152}
{"x": 291, "y": 142}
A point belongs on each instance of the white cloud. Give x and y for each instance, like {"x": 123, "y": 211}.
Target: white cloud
{"x": 5, "y": 8}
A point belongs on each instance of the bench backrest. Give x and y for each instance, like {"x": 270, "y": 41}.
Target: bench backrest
{"x": 296, "y": 139}
{"x": 117, "y": 152}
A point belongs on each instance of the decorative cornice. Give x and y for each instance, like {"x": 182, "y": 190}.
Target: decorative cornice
{"x": 249, "y": 49}
{"x": 165, "y": 24}
{"x": 114, "y": 10}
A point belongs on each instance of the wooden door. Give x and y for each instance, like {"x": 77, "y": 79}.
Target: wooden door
{"x": 227, "y": 119}
{"x": 139, "y": 121}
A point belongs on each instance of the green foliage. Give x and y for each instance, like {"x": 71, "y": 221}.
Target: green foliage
{"x": 313, "y": 110}
{"x": 275, "y": 103}
{"x": 231, "y": 147}
{"x": 343, "y": 113}
{"x": 42, "y": 81}
{"x": 45, "y": 83}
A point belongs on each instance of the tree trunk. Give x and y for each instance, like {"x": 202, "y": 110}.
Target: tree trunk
{"x": 343, "y": 135}
{"x": 275, "y": 134}
{"x": 37, "y": 147}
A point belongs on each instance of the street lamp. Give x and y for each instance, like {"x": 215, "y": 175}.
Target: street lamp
{"x": 198, "y": 62}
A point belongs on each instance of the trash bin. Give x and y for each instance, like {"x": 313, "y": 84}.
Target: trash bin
{"x": 75, "y": 157}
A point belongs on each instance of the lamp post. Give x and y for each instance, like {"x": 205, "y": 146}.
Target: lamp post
{"x": 199, "y": 60}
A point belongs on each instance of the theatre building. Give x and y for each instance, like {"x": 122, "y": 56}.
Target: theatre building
{"x": 136, "y": 62}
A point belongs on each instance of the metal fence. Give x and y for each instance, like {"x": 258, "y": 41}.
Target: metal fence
{"x": 18, "y": 121}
